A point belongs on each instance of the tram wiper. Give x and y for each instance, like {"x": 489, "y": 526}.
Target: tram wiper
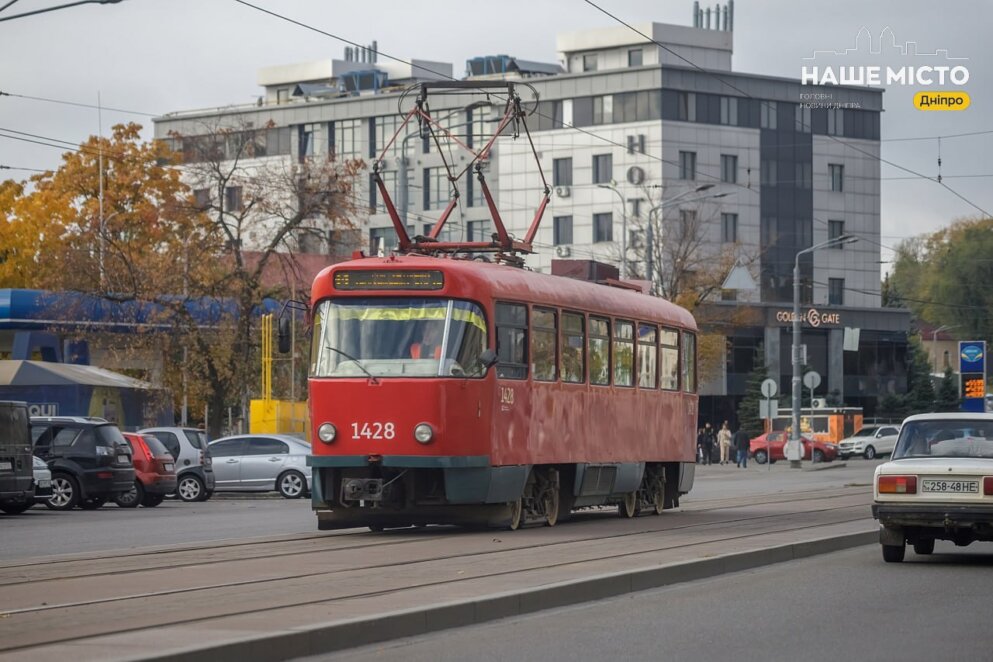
{"x": 372, "y": 377}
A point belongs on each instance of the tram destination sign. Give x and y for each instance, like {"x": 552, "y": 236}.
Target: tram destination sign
{"x": 388, "y": 279}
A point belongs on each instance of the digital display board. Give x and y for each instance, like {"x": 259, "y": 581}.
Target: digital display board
{"x": 388, "y": 279}
{"x": 973, "y": 386}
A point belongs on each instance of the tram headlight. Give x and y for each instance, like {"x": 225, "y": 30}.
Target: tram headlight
{"x": 423, "y": 433}
{"x": 326, "y": 433}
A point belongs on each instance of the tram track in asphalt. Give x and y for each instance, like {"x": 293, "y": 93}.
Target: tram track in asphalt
{"x": 8, "y": 578}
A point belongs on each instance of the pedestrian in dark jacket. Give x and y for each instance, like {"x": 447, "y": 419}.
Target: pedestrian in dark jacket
{"x": 699, "y": 445}
{"x": 741, "y": 443}
{"x": 708, "y": 444}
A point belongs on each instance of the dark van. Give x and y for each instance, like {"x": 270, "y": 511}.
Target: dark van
{"x": 16, "y": 462}
{"x": 89, "y": 459}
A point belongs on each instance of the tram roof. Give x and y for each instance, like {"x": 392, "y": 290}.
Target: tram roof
{"x": 513, "y": 283}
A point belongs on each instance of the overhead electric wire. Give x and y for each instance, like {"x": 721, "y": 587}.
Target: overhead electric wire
{"x": 94, "y": 106}
{"x": 7, "y": 167}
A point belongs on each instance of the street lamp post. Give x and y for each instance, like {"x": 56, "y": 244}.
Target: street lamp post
{"x": 624, "y": 226}
{"x": 795, "y": 450}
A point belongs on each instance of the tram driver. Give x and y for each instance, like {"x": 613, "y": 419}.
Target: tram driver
{"x": 432, "y": 334}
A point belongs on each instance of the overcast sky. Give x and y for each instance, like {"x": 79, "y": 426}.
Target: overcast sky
{"x": 157, "y": 56}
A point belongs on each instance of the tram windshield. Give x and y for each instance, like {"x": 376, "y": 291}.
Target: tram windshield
{"x": 397, "y": 337}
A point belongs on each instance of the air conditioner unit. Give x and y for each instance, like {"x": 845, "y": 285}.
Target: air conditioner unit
{"x": 563, "y": 251}
{"x": 819, "y": 403}
{"x": 563, "y": 191}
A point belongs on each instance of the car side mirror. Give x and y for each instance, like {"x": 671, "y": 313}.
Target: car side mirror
{"x": 283, "y": 335}
{"x": 488, "y": 358}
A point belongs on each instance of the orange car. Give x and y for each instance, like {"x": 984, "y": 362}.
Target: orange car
{"x": 771, "y": 446}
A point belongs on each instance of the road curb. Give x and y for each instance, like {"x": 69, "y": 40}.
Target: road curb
{"x": 824, "y": 466}
{"x": 327, "y": 638}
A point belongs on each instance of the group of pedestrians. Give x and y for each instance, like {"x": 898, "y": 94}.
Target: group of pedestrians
{"x": 726, "y": 442}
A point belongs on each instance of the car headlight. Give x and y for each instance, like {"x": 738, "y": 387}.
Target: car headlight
{"x": 423, "y": 433}
{"x": 326, "y": 433}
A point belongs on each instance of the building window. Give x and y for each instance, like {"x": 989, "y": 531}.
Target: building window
{"x": 384, "y": 128}
{"x": 803, "y": 175}
{"x": 232, "y": 198}
{"x": 767, "y": 114}
{"x": 837, "y": 172}
{"x": 512, "y": 340}
{"x": 635, "y": 57}
{"x": 308, "y": 138}
{"x": 669, "y": 340}
{"x": 589, "y": 62}
{"x": 384, "y": 238}
{"x": 346, "y": 139}
{"x": 836, "y": 291}
{"x": 603, "y": 109}
{"x": 603, "y": 168}
{"x": 729, "y": 228}
{"x": 803, "y": 118}
{"x": 562, "y": 230}
{"x": 283, "y": 95}
{"x": 836, "y": 121}
{"x": 435, "y": 188}
{"x": 729, "y": 168}
{"x": 573, "y": 355}
{"x": 768, "y": 174}
{"x": 603, "y": 227}
{"x": 836, "y": 229}
{"x": 687, "y": 165}
{"x": 647, "y": 356}
{"x": 543, "y": 334}
{"x": 473, "y": 191}
{"x": 729, "y": 111}
{"x": 562, "y": 172}
{"x": 477, "y": 230}
{"x": 201, "y": 199}
{"x": 686, "y": 106}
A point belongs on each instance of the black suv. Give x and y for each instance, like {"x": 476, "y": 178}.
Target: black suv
{"x": 89, "y": 459}
{"x": 16, "y": 463}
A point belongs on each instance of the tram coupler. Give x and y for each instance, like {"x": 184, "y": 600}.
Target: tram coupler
{"x": 362, "y": 489}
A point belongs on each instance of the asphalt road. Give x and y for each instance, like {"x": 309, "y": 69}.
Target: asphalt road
{"x": 846, "y": 606}
{"x": 42, "y": 532}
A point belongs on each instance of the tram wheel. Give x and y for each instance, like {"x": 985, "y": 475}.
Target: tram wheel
{"x": 516, "y": 510}
{"x": 629, "y": 507}
{"x": 657, "y": 495}
{"x": 550, "y": 501}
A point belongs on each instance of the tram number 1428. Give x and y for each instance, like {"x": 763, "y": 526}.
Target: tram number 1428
{"x": 373, "y": 430}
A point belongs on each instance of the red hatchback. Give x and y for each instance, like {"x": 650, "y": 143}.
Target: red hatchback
{"x": 154, "y": 469}
{"x": 771, "y": 446}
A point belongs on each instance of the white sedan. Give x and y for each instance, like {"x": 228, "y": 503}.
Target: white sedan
{"x": 261, "y": 463}
{"x": 869, "y": 442}
{"x": 938, "y": 486}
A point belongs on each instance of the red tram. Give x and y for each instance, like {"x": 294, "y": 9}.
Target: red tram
{"x": 456, "y": 391}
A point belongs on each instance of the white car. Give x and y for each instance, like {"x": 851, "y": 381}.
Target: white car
{"x": 938, "y": 486}
{"x": 870, "y": 441}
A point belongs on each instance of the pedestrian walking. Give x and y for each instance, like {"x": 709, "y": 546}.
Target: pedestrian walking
{"x": 724, "y": 441}
{"x": 708, "y": 444}
{"x": 741, "y": 443}
{"x": 699, "y": 446}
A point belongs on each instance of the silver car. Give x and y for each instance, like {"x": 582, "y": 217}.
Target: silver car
{"x": 262, "y": 463}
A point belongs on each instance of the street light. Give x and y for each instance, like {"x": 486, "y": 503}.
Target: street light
{"x": 650, "y": 232}
{"x": 794, "y": 449}
{"x": 934, "y": 341}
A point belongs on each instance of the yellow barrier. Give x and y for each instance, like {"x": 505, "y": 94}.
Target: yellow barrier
{"x": 279, "y": 416}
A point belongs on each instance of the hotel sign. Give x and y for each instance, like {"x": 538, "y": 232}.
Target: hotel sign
{"x": 811, "y": 317}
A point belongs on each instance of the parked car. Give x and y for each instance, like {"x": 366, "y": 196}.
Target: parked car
{"x": 937, "y": 486}
{"x": 870, "y": 441}
{"x": 42, "y": 480}
{"x": 771, "y": 447}
{"x": 188, "y": 447}
{"x": 262, "y": 463}
{"x": 16, "y": 477}
{"x": 154, "y": 472}
{"x": 89, "y": 459}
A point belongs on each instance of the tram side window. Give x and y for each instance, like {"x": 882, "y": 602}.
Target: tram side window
{"x": 623, "y": 353}
{"x": 543, "y": 334}
{"x": 599, "y": 351}
{"x": 670, "y": 359}
{"x": 512, "y": 340}
{"x": 573, "y": 366}
{"x": 689, "y": 362}
{"x": 647, "y": 356}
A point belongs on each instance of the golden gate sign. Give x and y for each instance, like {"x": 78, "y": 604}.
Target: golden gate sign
{"x": 811, "y": 316}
